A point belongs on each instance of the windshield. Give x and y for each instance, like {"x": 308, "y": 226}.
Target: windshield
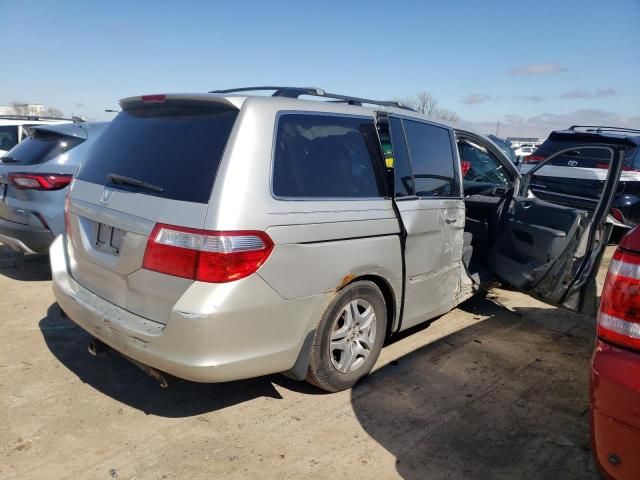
{"x": 8, "y": 137}
{"x": 40, "y": 147}
{"x": 175, "y": 148}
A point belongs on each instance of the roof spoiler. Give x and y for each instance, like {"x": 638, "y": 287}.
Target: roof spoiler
{"x": 591, "y": 137}
{"x": 177, "y": 99}
{"x": 602, "y": 128}
{"x": 63, "y": 129}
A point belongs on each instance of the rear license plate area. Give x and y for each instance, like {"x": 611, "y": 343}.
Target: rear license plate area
{"x": 109, "y": 239}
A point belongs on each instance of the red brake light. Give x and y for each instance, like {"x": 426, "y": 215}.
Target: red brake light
{"x": 466, "y": 166}
{"x": 159, "y": 98}
{"x": 619, "y": 315}
{"x": 206, "y": 256}
{"x": 532, "y": 159}
{"x": 617, "y": 214}
{"x": 40, "y": 181}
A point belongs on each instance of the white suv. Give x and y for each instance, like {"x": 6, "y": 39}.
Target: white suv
{"x": 13, "y": 128}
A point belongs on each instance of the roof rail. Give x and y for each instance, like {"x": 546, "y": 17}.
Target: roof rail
{"x": 34, "y": 117}
{"x": 602, "y": 128}
{"x": 295, "y": 92}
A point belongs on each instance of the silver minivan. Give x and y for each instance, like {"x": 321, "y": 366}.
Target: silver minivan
{"x": 222, "y": 236}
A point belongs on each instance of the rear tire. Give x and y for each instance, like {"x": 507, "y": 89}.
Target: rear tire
{"x": 349, "y": 337}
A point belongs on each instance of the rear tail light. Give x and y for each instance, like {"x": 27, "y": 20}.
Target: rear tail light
{"x": 619, "y": 315}
{"x": 206, "y": 256}
{"x": 625, "y": 168}
{"x": 40, "y": 181}
{"x": 533, "y": 159}
{"x": 617, "y": 214}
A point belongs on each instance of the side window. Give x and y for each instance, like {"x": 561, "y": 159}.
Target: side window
{"x": 480, "y": 165}
{"x": 325, "y": 156}
{"x": 432, "y": 159}
{"x": 403, "y": 179}
{"x": 8, "y": 137}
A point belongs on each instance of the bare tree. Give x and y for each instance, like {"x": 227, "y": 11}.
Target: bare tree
{"x": 19, "y": 108}
{"x": 425, "y": 103}
{"x": 53, "y": 112}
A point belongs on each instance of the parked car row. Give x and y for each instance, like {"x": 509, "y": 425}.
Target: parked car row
{"x": 225, "y": 235}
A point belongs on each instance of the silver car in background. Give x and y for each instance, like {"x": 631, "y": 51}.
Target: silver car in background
{"x": 34, "y": 176}
{"x": 223, "y": 236}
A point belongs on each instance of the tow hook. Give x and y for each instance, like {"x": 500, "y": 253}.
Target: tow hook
{"x": 97, "y": 348}
{"x": 164, "y": 379}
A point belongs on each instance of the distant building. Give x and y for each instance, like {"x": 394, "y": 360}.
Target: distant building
{"x": 517, "y": 142}
{"x": 33, "y": 109}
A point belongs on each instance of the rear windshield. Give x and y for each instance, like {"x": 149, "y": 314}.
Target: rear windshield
{"x": 177, "y": 148}
{"x": 40, "y": 147}
{"x": 584, "y": 157}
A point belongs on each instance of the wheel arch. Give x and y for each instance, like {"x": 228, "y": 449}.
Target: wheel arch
{"x": 387, "y": 293}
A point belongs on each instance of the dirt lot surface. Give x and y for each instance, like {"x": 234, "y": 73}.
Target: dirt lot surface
{"x": 495, "y": 389}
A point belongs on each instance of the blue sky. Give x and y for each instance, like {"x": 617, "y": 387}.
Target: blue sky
{"x": 525, "y": 64}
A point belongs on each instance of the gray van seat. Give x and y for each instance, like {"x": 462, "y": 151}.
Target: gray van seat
{"x": 535, "y": 234}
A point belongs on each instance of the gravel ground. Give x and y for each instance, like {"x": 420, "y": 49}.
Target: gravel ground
{"x": 497, "y": 388}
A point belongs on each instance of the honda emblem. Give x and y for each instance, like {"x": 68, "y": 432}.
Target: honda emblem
{"x": 107, "y": 193}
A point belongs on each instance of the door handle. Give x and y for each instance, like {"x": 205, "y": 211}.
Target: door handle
{"x": 451, "y": 219}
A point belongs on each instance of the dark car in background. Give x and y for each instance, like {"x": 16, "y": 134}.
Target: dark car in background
{"x": 578, "y": 180}
{"x": 505, "y": 147}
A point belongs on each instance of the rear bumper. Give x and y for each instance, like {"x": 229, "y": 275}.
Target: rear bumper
{"x": 615, "y": 411}
{"x": 25, "y": 238}
{"x": 237, "y": 330}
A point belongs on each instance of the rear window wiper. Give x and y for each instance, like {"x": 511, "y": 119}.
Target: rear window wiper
{"x": 7, "y": 159}
{"x": 123, "y": 180}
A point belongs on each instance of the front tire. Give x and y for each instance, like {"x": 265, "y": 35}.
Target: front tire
{"x": 349, "y": 337}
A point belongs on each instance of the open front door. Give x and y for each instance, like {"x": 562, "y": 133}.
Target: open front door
{"x": 550, "y": 242}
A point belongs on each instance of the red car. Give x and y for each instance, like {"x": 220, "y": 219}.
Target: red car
{"x": 615, "y": 367}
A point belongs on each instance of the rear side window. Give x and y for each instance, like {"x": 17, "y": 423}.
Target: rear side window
{"x": 175, "y": 147}
{"x": 432, "y": 159}
{"x": 403, "y": 179}
{"x": 326, "y": 156}
{"x": 40, "y": 147}
{"x": 8, "y": 137}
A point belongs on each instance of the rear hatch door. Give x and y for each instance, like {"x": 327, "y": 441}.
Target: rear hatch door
{"x": 172, "y": 148}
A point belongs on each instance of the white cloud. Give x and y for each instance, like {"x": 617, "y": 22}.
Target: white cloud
{"x": 542, "y": 125}
{"x": 530, "y": 98}
{"x": 599, "y": 93}
{"x": 476, "y": 98}
{"x": 538, "y": 69}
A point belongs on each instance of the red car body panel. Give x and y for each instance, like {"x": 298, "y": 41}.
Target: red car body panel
{"x": 615, "y": 401}
{"x": 615, "y": 411}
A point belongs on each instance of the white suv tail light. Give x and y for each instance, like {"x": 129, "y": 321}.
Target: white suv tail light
{"x": 206, "y": 256}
